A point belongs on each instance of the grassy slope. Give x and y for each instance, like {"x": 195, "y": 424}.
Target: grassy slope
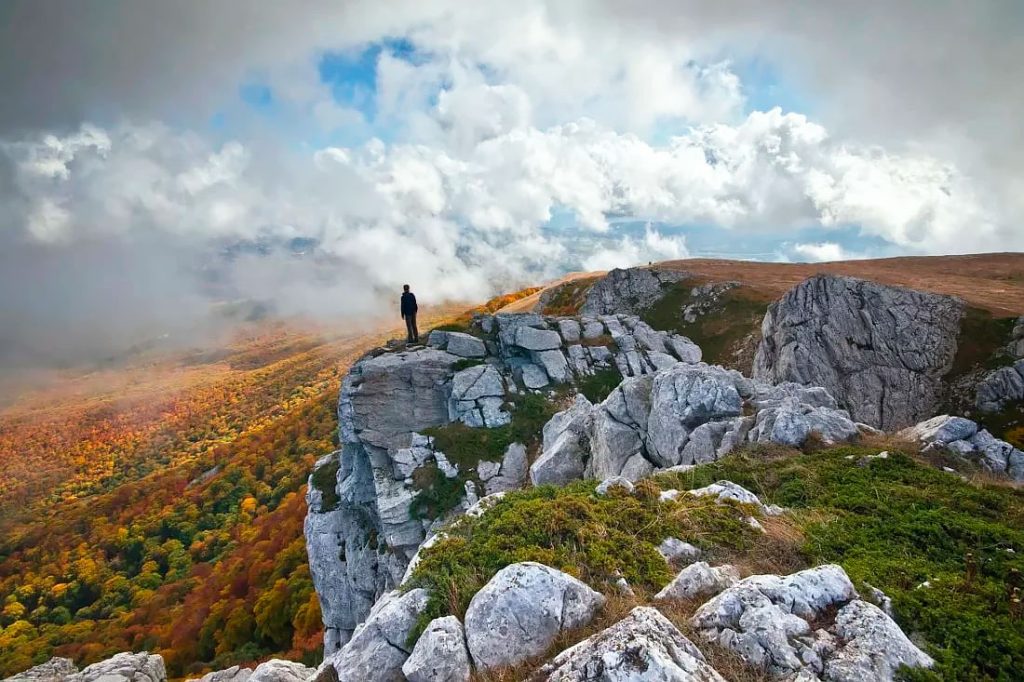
{"x": 894, "y": 522}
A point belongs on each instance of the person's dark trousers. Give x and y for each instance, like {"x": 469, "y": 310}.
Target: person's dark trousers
{"x": 410, "y": 328}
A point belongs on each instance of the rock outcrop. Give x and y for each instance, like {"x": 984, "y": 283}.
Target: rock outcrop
{"x": 628, "y": 291}
{"x": 642, "y": 646}
{"x": 770, "y": 621}
{"x": 521, "y": 610}
{"x": 1000, "y": 387}
{"x": 881, "y": 351}
{"x": 962, "y": 437}
{"x": 699, "y": 580}
{"x": 440, "y": 654}
{"x": 278, "y": 670}
{"x": 124, "y": 667}
{"x": 380, "y": 647}
{"x": 361, "y": 530}
{"x": 54, "y": 670}
{"x": 686, "y": 414}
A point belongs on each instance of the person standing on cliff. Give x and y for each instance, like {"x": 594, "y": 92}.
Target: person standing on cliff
{"x": 409, "y": 309}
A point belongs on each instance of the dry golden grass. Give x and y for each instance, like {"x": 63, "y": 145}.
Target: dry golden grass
{"x": 728, "y": 663}
{"x": 993, "y": 281}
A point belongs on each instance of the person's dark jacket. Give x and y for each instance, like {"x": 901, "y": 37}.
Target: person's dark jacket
{"x": 409, "y": 306}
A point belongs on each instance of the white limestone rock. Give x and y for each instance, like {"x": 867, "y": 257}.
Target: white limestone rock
{"x": 534, "y": 376}
{"x": 678, "y": 552}
{"x": 699, "y": 579}
{"x": 1001, "y": 386}
{"x": 379, "y": 647}
{"x": 570, "y": 330}
{"x": 277, "y": 670}
{"x": 766, "y": 618}
{"x": 125, "y": 667}
{"x": 562, "y": 458}
{"x": 874, "y": 646}
{"x": 233, "y": 674}
{"x": 682, "y": 398}
{"x": 473, "y": 383}
{"x": 530, "y": 338}
{"x": 440, "y": 654}
{"x": 554, "y": 364}
{"x": 54, "y": 670}
{"x": 513, "y": 472}
{"x": 642, "y": 646}
{"x": 942, "y": 429}
{"x": 790, "y": 422}
{"x": 465, "y": 345}
{"x": 521, "y": 610}
{"x": 684, "y": 349}
{"x": 613, "y": 482}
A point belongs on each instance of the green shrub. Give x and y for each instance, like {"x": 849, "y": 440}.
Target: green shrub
{"x": 719, "y": 332}
{"x": 325, "y": 479}
{"x": 599, "y": 385}
{"x": 592, "y": 537}
{"x": 466, "y": 363}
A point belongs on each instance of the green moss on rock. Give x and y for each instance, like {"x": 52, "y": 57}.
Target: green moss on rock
{"x": 325, "y": 479}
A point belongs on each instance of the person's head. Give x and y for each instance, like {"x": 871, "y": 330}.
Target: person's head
{"x": 405, "y": 287}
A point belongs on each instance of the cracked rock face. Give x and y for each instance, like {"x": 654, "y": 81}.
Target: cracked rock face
{"x": 642, "y": 646}
{"x": 627, "y": 291}
{"x": 380, "y": 646}
{"x": 686, "y": 414}
{"x": 882, "y": 351}
{"x": 1001, "y": 386}
{"x": 440, "y": 654}
{"x": 769, "y": 620}
{"x": 521, "y": 610}
{"x": 359, "y": 547}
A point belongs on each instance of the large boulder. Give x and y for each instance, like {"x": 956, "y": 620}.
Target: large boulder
{"x": 518, "y": 614}
{"x": 465, "y": 345}
{"x": 277, "y": 670}
{"x": 642, "y": 646}
{"x": 380, "y": 646}
{"x": 386, "y": 397}
{"x": 563, "y": 457}
{"x": 875, "y": 646}
{"x": 125, "y": 667}
{"x": 440, "y": 654}
{"x": 699, "y": 580}
{"x": 790, "y": 422}
{"x": 784, "y": 624}
{"x": 683, "y": 398}
{"x": 882, "y": 351}
{"x": 943, "y": 429}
